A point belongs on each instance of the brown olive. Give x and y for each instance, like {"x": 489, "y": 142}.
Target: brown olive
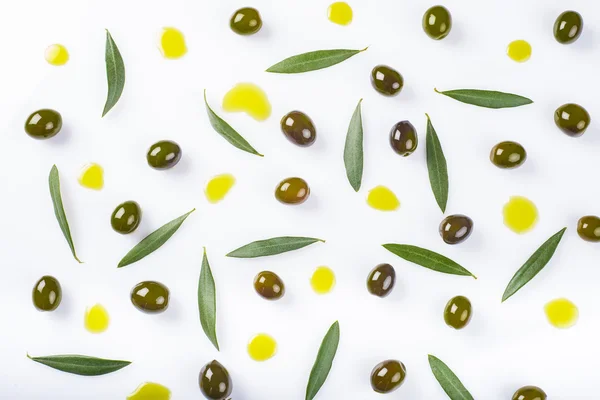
{"x": 292, "y": 191}
{"x": 588, "y": 228}
{"x": 529, "y": 393}
{"x": 215, "y": 382}
{"x": 456, "y": 228}
{"x": 150, "y": 297}
{"x": 457, "y": 313}
{"x": 269, "y": 286}
{"x": 387, "y": 376}
{"x": 298, "y": 128}
{"x": 47, "y": 294}
{"x": 381, "y": 280}
{"x": 403, "y": 138}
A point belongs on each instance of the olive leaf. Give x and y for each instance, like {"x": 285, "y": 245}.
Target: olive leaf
{"x": 81, "y": 365}
{"x": 207, "y": 302}
{"x": 115, "y": 73}
{"x": 269, "y": 247}
{"x": 153, "y": 241}
{"x": 312, "y": 61}
{"x": 533, "y": 265}
{"x": 486, "y": 98}
{"x": 436, "y": 166}
{"x": 448, "y": 380}
{"x": 225, "y": 130}
{"x": 324, "y": 360}
{"x": 353, "y": 150}
{"x": 59, "y": 211}
{"x": 428, "y": 259}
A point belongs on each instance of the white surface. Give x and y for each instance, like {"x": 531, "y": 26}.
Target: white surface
{"x": 505, "y": 346}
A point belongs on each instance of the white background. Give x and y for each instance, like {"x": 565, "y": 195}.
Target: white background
{"x": 506, "y": 345}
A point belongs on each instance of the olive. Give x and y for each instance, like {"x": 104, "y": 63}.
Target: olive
{"x": 298, "y": 128}
{"x": 245, "y": 21}
{"x": 381, "y": 280}
{"x": 568, "y": 27}
{"x": 456, "y": 228}
{"x": 457, "y": 313}
{"x": 126, "y": 217}
{"x": 164, "y": 154}
{"x": 47, "y": 294}
{"x": 292, "y": 191}
{"x": 508, "y": 155}
{"x": 43, "y": 124}
{"x": 588, "y": 228}
{"x": 150, "y": 297}
{"x": 529, "y": 393}
{"x": 386, "y": 80}
{"x": 387, "y": 376}
{"x": 269, "y": 286}
{"x": 215, "y": 382}
{"x": 572, "y": 119}
{"x": 403, "y": 138}
{"x": 437, "y": 22}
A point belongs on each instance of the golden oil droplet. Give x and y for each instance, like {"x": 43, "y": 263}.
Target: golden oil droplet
{"x": 56, "y": 54}
{"x": 172, "y": 43}
{"x": 561, "y": 313}
{"x": 92, "y": 176}
{"x": 340, "y": 13}
{"x": 248, "y": 98}
{"x": 150, "y": 391}
{"x": 262, "y": 347}
{"x": 382, "y": 199}
{"x": 96, "y": 319}
{"x": 322, "y": 280}
{"x": 520, "y": 214}
{"x": 218, "y": 187}
{"x": 519, "y": 50}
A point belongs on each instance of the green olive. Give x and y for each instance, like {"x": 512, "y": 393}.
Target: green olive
{"x": 387, "y": 376}
{"x": 269, "y": 286}
{"x": 292, "y": 191}
{"x": 43, "y": 124}
{"x": 47, "y": 294}
{"x": 456, "y": 228}
{"x": 508, "y": 155}
{"x": 164, "y": 154}
{"x": 588, "y": 228}
{"x": 403, "y": 138}
{"x": 215, "y": 382}
{"x": 150, "y": 297}
{"x": 568, "y": 27}
{"x": 126, "y": 217}
{"x": 381, "y": 280}
{"x": 457, "y": 313}
{"x": 246, "y": 21}
{"x": 386, "y": 80}
{"x": 298, "y": 128}
{"x": 572, "y": 119}
{"x": 529, "y": 393}
{"x": 437, "y": 22}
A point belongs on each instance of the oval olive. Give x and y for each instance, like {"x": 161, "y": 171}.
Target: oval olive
{"x": 437, "y": 22}
{"x": 215, "y": 382}
{"x": 568, "y": 27}
{"x": 292, "y": 191}
{"x": 508, "y": 155}
{"x": 126, "y": 217}
{"x": 386, "y": 80}
{"x": 387, "y": 376}
{"x": 298, "y": 128}
{"x": 150, "y": 297}
{"x": 588, "y": 228}
{"x": 456, "y": 228}
{"x": 381, "y": 280}
{"x": 164, "y": 154}
{"x": 572, "y": 119}
{"x": 269, "y": 286}
{"x": 245, "y": 21}
{"x": 529, "y": 393}
{"x": 457, "y": 313}
{"x": 403, "y": 138}
{"x": 43, "y": 124}
{"x": 47, "y": 294}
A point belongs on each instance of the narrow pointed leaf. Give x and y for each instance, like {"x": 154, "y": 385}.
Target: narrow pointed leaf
{"x": 436, "y": 166}
{"x": 324, "y": 361}
{"x": 428, "y": 259}
{"x": 353, "y": 150}
{"x": 486, "y": 98}
{"x": 207, "y": 302}
{"x": 312, "y": 61}
{"x": 269, "y": 247}
{"x": 115, "y": 73}
{"x": 448, "y": 380}
{"x": 59, "y": 211}
{"x": 81, "y": 365}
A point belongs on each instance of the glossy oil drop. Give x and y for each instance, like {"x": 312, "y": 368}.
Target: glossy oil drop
{"x": 248, "y": 98}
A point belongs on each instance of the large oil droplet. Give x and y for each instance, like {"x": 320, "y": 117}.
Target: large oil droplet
{"x": 262, "y": 347}
{"x": 56, "y": 54}
{"x": 322, "y": 280}
{"x": 340, "y": 13}
{"x": 218, "y": 187}
{"x": 249, "y": 98}
{"x": 96, "y": 319}
{"x": 150, "y": 391}
{"x": 172, "y": 43}
{"x": 561, "y": 313}
{"x": 382, "y": 199}
{"x": 520, "y": 214}
{"x": 519, "y": 50}
{"x": 92, "y": 176}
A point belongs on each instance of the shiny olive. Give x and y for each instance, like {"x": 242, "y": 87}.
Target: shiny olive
{"x": 588, "y": 228}
{"x": 508, "y": 155}
{"x": 437, "y": 22}
{"x": 387, "y": 376}
{"x": 298, "y": 128}
{"x": 568, "y": 27}
{"x": 381, "y": 280}
{"x": 529, "y": 393}
{"x": 456, "y": 228}
{"x": 572, "y": 119}
{"x": 386, "y": 80}
{"x": 215, "y": 382}
{"x": 164, "y": 154}
{"x": 47, "y": 294}
{"x": 457, "y": 313}
{"x": 126, "y": 217}
{"x": 150, "y": 297}
{"x": 292, "y": 191}
{"x": 403, "y": 138}
{"x": 43, "y": 124}
{"x": 245, "y": 21}
{"x": 269, "y": 286}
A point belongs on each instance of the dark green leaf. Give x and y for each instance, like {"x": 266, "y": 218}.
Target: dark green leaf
{"x": 312, "y": 61}
{"x": 207, "y": 302}
{"x": 353, "y": 150}
{"x": 487, "y": 98}
{"x": 324, "y": 360}
{"x": 59, "y": 211}
{"x": 436, "y": 165}
{"x": 448, "y": 380}
{"x": 81, "y": 365}
{"x": 115, "y": 73}
{"x": 269, "y": 247}
{"x": 427, "y": 258}
{"x": 533, "y": 265}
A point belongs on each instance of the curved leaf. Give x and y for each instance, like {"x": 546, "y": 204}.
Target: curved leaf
{"x": 448, "y": 380}
{"x": 115, "y": 73}
{"x": 81, "y": 365}
{"x": 269, "y": 247}
{"x": 59, "y": 211}
{"x": 353, "y": 150}
{"x": 486, "y": 98}
{"x": 312, "y": 61}
{"x": 324, "y": 361}
{"x": 436, "y": 166}
{"x": 428, "y": 259}
{"x": 207, "y": 302}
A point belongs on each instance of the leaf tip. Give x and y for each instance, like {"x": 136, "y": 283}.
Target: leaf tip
{"x": 437, "y": 91}
{"x": 321, "y": 240}
{"x": 365, "y": 49}
{"x": 28, "y": 356}
{"x": 427, "y": 115}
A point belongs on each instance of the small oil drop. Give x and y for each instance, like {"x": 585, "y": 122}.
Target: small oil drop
{"x": 96, "y": 319}
{"x": 340, "y": 13}
{"x": 322, "y": 280}
{"x": 383, "y": 199}
{"x": 262, "y": 347}
{"x": 520, "y": 214}
{"x": 249, "y": 98}
{"x": 519, "y": 50}
{"x": 150, "y": 391}
{"x": 56, "y": 54}
{"x": 218, "y": 187}
{"x": 172, "y": 43}
{"x": 92, "y": 176}
{"x": 561, "y": 313}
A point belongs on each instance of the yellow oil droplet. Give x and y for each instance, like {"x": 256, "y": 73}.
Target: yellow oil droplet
{"x": 262, "y": 347}
{"x": 150, "y": 391}
{"x": 172, "y": 43}
{"x": 519, "y": 50}
{"x": 322, "y": 280}
{"x": 96, "y": 319}
{"x": 56, "y": 54}
{"x": 92, "y": 176}
{"x": 249, "y": 98}
{"x": 561, "y": 313}
{"x": 340, "y": 13}
{"x": 382, "y": 199}
{"x": 520, "y": 214}
{"x": 218, "y": 187}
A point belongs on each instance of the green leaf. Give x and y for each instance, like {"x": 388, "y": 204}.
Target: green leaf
{"x": 225, "y": 130}
{"x": 487, "y": 98}
{"x": 269, "y": 247}
{"x": 353, "y": 150}
{"x": 533, "y": 265}
{"x": 312, "y": 61}
{"x": 81, "y": 365}
{"x": 448, "y": 380}
{"x": 324, "y": 360}
{"x": 153, "y": 241}
{"x": 115, "y": 73}
{"x": 428, "y": 259}
{"x": 59, "y": 211}
{"x": 436, "y": 165}
{"x": 207, "y": 302}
